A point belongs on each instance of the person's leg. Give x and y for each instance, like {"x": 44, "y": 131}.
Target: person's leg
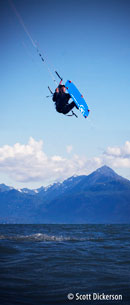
{"x": 69, "y": 107}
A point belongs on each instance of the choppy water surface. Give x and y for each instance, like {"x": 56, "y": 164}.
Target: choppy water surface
{"x": 42, "y": 264}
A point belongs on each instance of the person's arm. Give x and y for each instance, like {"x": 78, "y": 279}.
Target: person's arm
{"x": 68, "y": 96}
{"x": 55, "y": 95}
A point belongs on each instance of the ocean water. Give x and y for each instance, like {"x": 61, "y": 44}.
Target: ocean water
{"x": 64, "y": 264}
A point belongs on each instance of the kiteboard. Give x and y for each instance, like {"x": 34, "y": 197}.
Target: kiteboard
{"x": 77, "y": 98}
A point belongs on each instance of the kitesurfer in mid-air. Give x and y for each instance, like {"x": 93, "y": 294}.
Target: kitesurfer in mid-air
{"x": 61, "y": 98}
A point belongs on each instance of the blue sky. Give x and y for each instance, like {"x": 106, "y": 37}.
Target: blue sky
{"x": 87, "y": 42}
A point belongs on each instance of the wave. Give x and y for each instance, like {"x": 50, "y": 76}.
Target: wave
{"x": 58, "y": 238}
{"x": 36, "y": 237}
{"x": 48, "y": 238}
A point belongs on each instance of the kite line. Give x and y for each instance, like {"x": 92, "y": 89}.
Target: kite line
{"x": 32, "y": 41}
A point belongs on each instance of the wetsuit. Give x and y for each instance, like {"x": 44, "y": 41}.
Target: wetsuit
{"x": 61, "y": 101}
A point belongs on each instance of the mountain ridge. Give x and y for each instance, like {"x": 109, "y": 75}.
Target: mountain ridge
{"x": 104, "y": 170}
{"x": 101, "y": 197}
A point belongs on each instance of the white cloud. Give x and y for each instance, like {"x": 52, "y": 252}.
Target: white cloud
{"x": 122, "y": 152}
{"x": 29, "y": 162}
{"x": 118, "y": 156}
